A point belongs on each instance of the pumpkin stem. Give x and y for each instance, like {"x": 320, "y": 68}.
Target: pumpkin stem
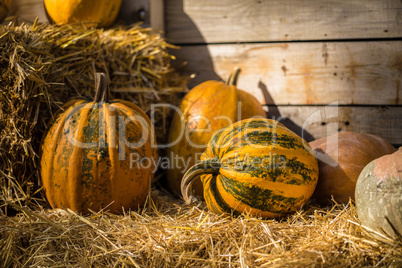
{"x": 232, "y": 81}
{"x": 205, "y": 167}
{"x": 101, "y": 88}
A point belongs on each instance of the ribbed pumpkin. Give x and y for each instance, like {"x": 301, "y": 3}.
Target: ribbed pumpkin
{"x": 378, "y": 195}
{"x": 98, "y": 154}
{"x": 101, "y": 12}
{"x": 341, "y": 158}
{"x": 256, "y": 166}
{"x": 208, "y": 107}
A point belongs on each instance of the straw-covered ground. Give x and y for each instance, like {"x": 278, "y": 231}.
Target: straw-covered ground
{"x": 168, "y": 233}
{"x": 41, "y": 67}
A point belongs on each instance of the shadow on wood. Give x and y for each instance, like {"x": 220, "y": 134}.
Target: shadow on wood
{"x": 274, "y": 113}
{"x": 206, "y": 71}
{"x": 137, "y": 11}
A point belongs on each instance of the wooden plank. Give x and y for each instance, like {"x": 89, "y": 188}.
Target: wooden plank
{"x": 306, "y": 72}
{"x": 313, "y": 122}
{"x": 29, "y": 10}
{"x": 157, "y": 15}
{"x": 134, "y": 12}
{"x": 211, "y": 21}
{"x": 149, "y": 12}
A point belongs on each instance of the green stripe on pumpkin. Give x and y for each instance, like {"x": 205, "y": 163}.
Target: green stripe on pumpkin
{"x": 214, "y": 140}
{"x": 266, "y": 138}
{"x": 237, "y": 130}
{"x": 218, "y": 204}
{"x": 260, "y": 137}
{"x": 276, "y": 168}
{"x": 91, "y": 135}
{"x": 257, "y": 198}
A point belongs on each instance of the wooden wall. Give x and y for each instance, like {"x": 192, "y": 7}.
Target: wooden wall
{"x": 28, "y": 10}
{"x": 321, "y": 66}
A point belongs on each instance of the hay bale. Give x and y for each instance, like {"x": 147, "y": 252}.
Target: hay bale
{"x": 44, "y": 65}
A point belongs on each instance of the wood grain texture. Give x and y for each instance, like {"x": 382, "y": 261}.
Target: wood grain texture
{"x": 304, "y": 73}
{"x": 157, "y": 16}
{"x": 210, "y": 21}
{"x": 135, "y": 11}
{"x": 29, "y": 10}
{"x": 313, "y": 122}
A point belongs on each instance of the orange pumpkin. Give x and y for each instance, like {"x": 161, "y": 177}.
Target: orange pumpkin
{"x": 98, "y": 154}
{"x": 256, "y": 166}
{"x": 101, "y": 12}
{"x": 341, "y": 158}
{"x": 207, "y": 108}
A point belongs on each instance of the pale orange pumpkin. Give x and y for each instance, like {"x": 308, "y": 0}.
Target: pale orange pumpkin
{"x": 341, "y": 158}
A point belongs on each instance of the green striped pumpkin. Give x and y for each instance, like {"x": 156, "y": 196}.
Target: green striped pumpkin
{"x": 98, "y": 154}
{"x": 256, "y": 166}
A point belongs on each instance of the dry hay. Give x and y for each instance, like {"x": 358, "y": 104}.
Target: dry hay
{"x": 42, "y": 66}
{"x": 168, "y": 233}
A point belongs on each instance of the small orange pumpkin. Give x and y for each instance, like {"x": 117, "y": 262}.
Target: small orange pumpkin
{"x": 101, "y": 12}
{"x": 98, "y": 154}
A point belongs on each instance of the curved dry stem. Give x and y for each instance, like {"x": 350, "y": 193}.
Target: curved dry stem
{"x": 203, "y": 168}
{"x": 234, "y": 76}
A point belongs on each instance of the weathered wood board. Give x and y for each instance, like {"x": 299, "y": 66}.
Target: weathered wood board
{"x": 306, "y": 72}
{"x": 314, "y": 122}
{"x": 304, "y": 59}
{"x": 228, "y": 21}
{"x": 29, "y": 10}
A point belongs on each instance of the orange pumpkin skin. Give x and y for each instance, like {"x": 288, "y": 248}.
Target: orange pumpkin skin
{"x": 211, "y": 101}
{"x": 89, "y": 161}
{"x": 101, "y": 12}
{"x": 249, "y": 105}
{"x": 341, "y": 158}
